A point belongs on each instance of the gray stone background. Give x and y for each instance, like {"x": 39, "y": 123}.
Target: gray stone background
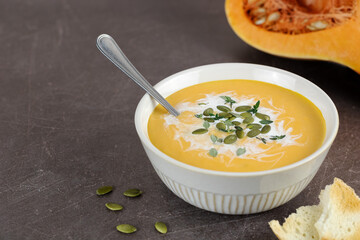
{"x": 66, "y": 118}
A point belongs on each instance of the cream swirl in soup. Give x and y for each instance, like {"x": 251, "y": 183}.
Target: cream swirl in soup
{"x": 237, "y": 125}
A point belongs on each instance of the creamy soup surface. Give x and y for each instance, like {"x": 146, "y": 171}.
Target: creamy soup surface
{"x": 237, "y": 126}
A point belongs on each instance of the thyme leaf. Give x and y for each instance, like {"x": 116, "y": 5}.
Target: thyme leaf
{"x": 277, "y": 137}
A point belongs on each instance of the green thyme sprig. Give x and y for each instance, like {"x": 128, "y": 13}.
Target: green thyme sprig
{"x": 224, "y": 122}
{"x": 228, "y": 100}
{"x": 254, "y": 109}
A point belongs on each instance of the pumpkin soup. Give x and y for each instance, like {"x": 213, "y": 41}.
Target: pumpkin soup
{"x": 237, "y": 126}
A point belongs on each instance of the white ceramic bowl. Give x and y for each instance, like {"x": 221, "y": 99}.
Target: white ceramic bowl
{"x": 236, "y": 192}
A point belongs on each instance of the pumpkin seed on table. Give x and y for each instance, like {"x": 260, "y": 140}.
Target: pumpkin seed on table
{"x": 126, "y": 228}
{"x": 262, "y": 116}
{"x": 240, "y": 133}
{"x": 253, "y": 133}
{"x": 223, "y": 108}
{"x": 221, "y": 126}
{"x": 134, "y": 192}
{"x": 266, "y": 129}
{"x": 200, "y": 131}
{"x": 230, "y": 139}
{"x": 231, "y": 118}
{"x": 245, "y": 115}
{"x": 113, "y": 206}
{"x": 243, "y": 108}
{"x": 161, "y": 227}
{"x": 104, "y": 190}
{"x": 208, "y": 111}
{"x": 254, "y": 126}
{"x": 248, "y": 120}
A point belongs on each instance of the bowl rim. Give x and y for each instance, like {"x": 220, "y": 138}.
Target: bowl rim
{"x": 146, "y": 141}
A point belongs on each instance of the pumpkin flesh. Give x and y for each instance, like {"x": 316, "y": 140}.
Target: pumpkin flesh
{"x": 338, "y": 43}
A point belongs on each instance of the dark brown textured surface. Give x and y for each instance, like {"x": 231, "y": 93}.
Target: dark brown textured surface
{"x": 66, "y": 118}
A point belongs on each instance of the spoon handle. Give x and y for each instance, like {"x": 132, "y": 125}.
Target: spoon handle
{"x": 107, "y": 45}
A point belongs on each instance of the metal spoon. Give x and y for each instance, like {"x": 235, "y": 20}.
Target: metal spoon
{"x": 107, "y": 45}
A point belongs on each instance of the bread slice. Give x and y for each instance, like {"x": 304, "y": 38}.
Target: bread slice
{"x": 337, "y": 217}
{"x": 340, "y": 218}
{"x": 299, "y": 225}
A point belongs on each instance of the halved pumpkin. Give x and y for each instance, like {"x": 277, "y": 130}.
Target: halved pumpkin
{"x": 316, "y": 32}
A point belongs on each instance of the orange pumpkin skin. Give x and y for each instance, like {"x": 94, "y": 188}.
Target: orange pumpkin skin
{"x": 339, "y": 44}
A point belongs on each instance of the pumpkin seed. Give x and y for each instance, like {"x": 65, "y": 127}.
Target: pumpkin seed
{"x": 221, "y": 126}
{"x": 104, "y": 190}
{"x": 209, "y": 119}
{"x": 248, "y": 120}
{"x": 200, "y": 131}
{"x": 223, "y": 114}
{"x": 213, "y": 152}
{"x": 223, "y": 108}
{"x": 243, "y": 108}
{"x": 253, "y": 133}
{"x": 266, "y": 121}
{"x": 208, "y": 111}
{"x": 236, "y": 123}
{"x": 206, "y": 125}
{"x": 113, "y": 206}
{"x": 238, "y": 128}
{"x": 245, "y": 115}
{"x": 273, "y": 17}
{"x": 240, "y": 151}
{"x": 240, "y": 133}
{"x": 318, "y": 25}
{"x": 260, "y": 21}
{"x": 126, "y": 228}
{"x": 132, "y": 192}
{"x": 220, "y": 140}
{"x": 254, "y": 126}
{"x": 266, "y": 129}
{"x": 161, "y": 227}
{"x": 262, "y": 116}
{"x": 231, "y": 118}
{"x": 230, "y": 139}
{"x": 259, "y": 12}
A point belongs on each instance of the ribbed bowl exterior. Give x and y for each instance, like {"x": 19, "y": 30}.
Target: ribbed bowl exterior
{"x": 234, "y": 204}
